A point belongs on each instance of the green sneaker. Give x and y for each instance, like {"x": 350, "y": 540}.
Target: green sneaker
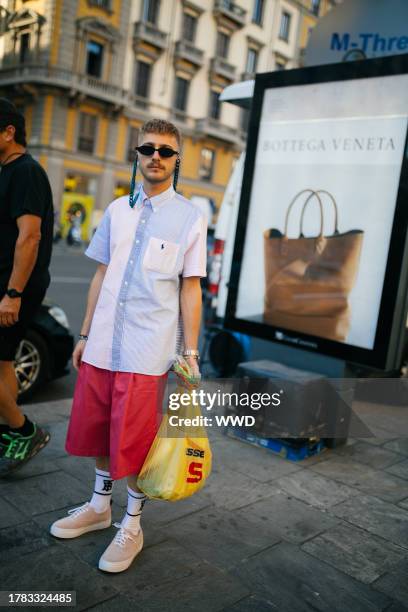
{"x": 16, "y": 450}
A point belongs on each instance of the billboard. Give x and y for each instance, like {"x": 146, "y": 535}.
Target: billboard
{"x": 321, "y": 234}
{"x": 360, "y": 29}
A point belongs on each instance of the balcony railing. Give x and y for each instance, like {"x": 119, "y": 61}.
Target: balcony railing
{"x": 216, "y": 129}
{"x": 231, "y": 11}
{"x": 149, "y": 33}
{"x": 222, "y": 67}
{"x": 186, "y": 50}
{"x": 60, "y": 77}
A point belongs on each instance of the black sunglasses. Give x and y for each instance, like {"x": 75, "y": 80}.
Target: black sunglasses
{"x": 149, "y": 150}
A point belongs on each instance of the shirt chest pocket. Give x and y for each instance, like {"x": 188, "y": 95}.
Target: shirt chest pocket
{"x": 161, "y": 256}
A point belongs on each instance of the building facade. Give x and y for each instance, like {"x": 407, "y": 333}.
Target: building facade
{"x": 87, "y": 73}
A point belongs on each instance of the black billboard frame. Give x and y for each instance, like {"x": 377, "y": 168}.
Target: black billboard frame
{"x": 389, "y": 338}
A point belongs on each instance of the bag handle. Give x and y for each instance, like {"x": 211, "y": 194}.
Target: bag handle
{"x": 311, "y": 193}
{"x": 336, "y": 214}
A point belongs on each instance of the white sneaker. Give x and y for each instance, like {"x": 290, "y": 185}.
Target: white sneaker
{"x": 122, "y": 550}
{"x": 81, "y": 520}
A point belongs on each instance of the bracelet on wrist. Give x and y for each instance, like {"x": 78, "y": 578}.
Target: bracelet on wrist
{"x": 83, "y": 337}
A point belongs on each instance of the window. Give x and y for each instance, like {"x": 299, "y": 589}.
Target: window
{"x": 104, "y": 4}
{"x": 257, "y": 14}
{"x": 94, "y": 59}
{"x": 24, "y": 47}
{"x": 206, "y": 164}
{"x": 280, "y": 64}
{"x": 132, "y": 143}
{"x": 215, "y": 105}
{"x": 315, "y": 7}
{"x": 181, "y": 93}
{"x": 143, "y": 73}
{"x": 223, "y": 41}
{"x": 87, "y": 132}
{"x": 189, "y": 27}
{"x": 284, "y": 26}
{"x": 252, "y": 61}
{"x": 151, "y": 11}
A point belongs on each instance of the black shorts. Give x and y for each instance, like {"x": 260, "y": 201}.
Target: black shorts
{"x": 10, "y": 337}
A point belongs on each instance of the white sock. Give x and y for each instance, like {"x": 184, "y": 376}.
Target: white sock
{"x": 102, "y": 494}
{"x": 136, "y": 501}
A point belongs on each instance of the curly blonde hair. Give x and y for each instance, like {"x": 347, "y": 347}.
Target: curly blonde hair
{"x": 160, "y": 126}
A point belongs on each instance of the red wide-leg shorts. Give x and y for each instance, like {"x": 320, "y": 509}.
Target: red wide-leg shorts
{"x": 115, "y": 415}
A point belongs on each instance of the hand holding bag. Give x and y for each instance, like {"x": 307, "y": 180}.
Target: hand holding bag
{"x": 308, "y": 279}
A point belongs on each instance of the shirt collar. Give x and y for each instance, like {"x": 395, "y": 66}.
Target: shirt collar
{"x": 156, "y": 201}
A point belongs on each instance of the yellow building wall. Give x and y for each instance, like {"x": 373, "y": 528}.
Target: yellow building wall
{"x": 307, "y": 22}
{"x": 47, "y": 120}
{"x": 86, "y": 10}
{"x": 70, "y": 129}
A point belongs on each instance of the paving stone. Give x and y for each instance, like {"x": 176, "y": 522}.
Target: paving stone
{"x": 120, "y": 603}
{"x": 56, "y": 446}
{"x": 205, "y": 588}
{"x": 404, "y": 504}
{"x": 9, "y": 515}
{"x": 374, "y": 441}
{"x": 364, "y": 478}
{"x": 397, "y": 607}
{"x": 297, "y": 582}
{"x": 314, "y": 489}
{"x": 20, "y": 540}
{"x": 228, "y": 489}
{"x": 55, "y": 569}
{"x": 82, "y": 468}
{"x": 253, "y": 461}
{"x": 395, "y": 583}
{"x": 49, "y": 412}
{"x": 163, "y": 512}
{"x": 291, "y": 519}
{"x": 355, "y": 552}
{"x": 44, "y": 493}
{"x": 399, "y": 469}
{"x": 235, "y": 535}
{"x": 252, "y": 603}
{"x": 374, "y": 456}
{"x": 399, "y": 446}
{"x": 376, "y": 516}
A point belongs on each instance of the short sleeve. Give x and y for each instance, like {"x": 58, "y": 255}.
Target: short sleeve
{"x": 195, "y": 258}
{"x": 99, "y": 247}
{"x": 30, "y": 192}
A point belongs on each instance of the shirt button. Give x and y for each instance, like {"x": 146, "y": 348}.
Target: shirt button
{"x": 121, "y": 303}
{"x": 143, "y": 221}
{"x": 126, "y": 283}
{"x": 137, "y": 241}
{"x": 131, "y": 261}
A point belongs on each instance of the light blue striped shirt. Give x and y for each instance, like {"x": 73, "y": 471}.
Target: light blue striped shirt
{"x": 136, "y": 326}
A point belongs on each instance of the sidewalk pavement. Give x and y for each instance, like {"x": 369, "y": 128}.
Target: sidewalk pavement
{"x": 265, "y": 534}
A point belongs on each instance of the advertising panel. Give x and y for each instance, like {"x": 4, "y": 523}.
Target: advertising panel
{"x": 322, "y": 222}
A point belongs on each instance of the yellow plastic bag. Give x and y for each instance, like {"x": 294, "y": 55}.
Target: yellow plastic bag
{"x": 179, "y": 460}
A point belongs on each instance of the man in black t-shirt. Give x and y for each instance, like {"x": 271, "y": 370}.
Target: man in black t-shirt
{"x": 26, "y": 232}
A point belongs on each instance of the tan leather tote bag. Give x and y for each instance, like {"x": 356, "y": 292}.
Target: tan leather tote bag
{"x": 308, "y": 280}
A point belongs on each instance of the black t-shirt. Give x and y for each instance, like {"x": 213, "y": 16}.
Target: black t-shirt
{"x": 25, "y": 189}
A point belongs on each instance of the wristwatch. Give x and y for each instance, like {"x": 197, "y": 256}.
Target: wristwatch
{"x": 13, "y": 293}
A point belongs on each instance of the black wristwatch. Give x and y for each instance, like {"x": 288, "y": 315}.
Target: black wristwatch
{"x": 13, "y": 293}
